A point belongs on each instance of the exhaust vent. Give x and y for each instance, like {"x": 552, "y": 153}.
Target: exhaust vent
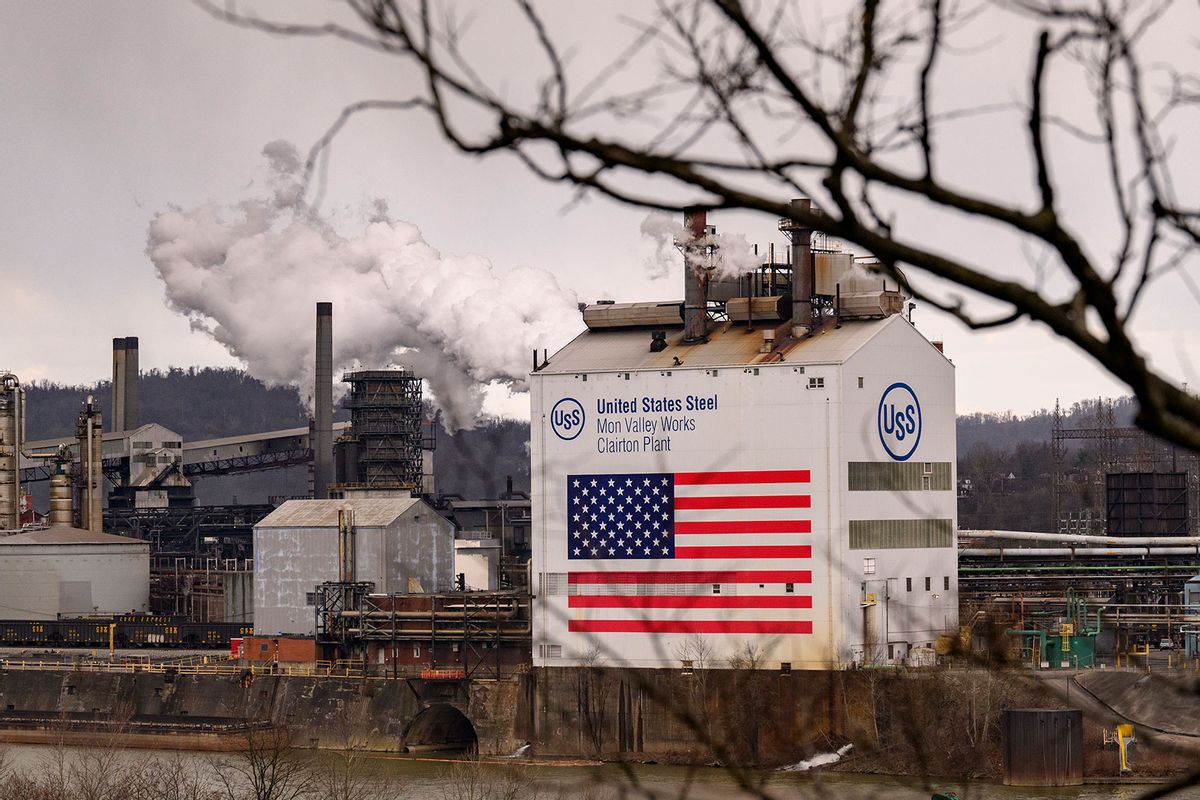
{"x": 759, "y": 309}
{"x": 632, "y": 315}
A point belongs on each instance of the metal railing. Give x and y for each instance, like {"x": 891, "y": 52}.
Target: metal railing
{"x": 323, "y": 669}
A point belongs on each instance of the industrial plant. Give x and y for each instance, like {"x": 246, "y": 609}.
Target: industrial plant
{"x": 761, "y": 477}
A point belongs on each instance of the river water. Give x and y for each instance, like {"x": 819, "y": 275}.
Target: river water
{"x": 415, "y": 778}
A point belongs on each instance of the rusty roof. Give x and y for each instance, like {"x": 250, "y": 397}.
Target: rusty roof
{"x": 727, "y": 345}
{"x": 368, "y": 513}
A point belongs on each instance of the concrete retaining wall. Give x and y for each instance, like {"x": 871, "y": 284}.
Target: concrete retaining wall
{"x": 318, "y": 712}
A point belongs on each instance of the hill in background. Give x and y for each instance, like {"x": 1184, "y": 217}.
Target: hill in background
{"x": 1004, "y": 460}
{"x": 206, "y": 403}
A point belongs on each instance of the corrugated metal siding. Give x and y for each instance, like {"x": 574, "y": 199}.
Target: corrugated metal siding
{"x": 1042, "y": 747}
{"x": 891, "y": 534}
{"x": 899, "y": 476}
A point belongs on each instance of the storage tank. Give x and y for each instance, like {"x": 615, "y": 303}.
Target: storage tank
{"x": 62, "y": 510}
{"x": 58, "y": 571}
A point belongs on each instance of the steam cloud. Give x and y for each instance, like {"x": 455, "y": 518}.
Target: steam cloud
{"x": 731, "y": 256}
{"x": 251, "y": 282}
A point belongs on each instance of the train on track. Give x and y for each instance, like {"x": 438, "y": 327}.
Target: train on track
{"x": 123, "y": 631}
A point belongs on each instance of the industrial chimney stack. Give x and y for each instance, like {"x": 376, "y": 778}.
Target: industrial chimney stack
{"x": 125, "y": 383}
{"x": 323, "y": 404}
{"x": 695, "y": 278}
{"x": 803, "y": 272}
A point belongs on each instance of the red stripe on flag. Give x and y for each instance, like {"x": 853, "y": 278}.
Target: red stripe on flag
{"x": 746, "y": 551}
{"x": 759, "y": 476}
{"x": 687, "y": 601}
{"x": 746, "y": 526}
{"x": 691, "y": 576}
{"x": 743, "y": 501}
{"x": 687, "y": 626}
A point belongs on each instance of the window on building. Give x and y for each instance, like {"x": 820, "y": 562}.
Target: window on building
{"x": 860, "y": 382}
{"x": 687, "y": 667}
{"x": 141, "y": 445}
{"x": 946, "y": 582}
{"x": 868, "y": 566}
{"x": 310, "y": 598}
{"x": 926, "y": 482}
{"x": 789, "y": 588}
{"x": 816, "y": 382}
{"x": 785, "y": 668}
{"x": 416, "y": 651}
{"x": 927, "y": 586}
{"x": 716, "y": 588}
{"x": 908, "y": 584}
{"x": 928, "y": 468}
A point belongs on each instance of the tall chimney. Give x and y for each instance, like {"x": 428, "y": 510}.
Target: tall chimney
{"x": 118, "y": 384}
{"x": 323, "y": 403}
{"x": 90, "y": 475}
{"x": 130, "y": 420}
{"x": 695, "y": 280}
{"x": 803, "y": 274}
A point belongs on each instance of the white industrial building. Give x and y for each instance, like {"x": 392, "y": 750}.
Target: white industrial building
{"x": 399, "y": 545}
{"x": 60, "y": 571}
{"x": 779, "y": 487}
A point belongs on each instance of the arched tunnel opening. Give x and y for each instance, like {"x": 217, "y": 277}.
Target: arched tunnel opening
{"x": 439, "y": 727}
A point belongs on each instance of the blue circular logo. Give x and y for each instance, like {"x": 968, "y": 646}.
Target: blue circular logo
{"x": 899, "y": 421}
{"x": 566, "y": 419}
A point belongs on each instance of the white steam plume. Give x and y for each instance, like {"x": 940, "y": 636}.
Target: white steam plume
{"x": 731, "y": 255}
{"x": 251, "y": 283}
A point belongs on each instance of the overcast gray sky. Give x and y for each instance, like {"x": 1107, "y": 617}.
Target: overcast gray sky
{"x": 113, "y": 112}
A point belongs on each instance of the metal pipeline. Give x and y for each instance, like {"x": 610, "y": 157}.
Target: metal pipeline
{"x": 1041, "y": 552}
{"x": 437, "y": 615}
{"x": 1081, "y": 538}
{"x": 389, "y": 633}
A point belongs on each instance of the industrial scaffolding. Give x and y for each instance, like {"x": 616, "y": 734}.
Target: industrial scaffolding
{"x": 1167, "y": 480}
{"x": 466, "y": 633}
{"x": 386, "y": 415}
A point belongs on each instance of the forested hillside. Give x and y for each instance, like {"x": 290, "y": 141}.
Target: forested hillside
{"x": 1005, "y": 465}
{"x": 1004, "y": 461}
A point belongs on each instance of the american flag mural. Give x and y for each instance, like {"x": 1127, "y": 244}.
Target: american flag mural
{"x": 674, "y": 537}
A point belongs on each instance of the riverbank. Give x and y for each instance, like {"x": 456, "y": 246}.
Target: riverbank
{"x": 922, "y": 722}
{"x": 420, "y": 778}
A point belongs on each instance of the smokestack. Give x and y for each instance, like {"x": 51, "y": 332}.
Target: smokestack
{"x": 90, "y": 475}
{"x": 695, "y": 281}
{"x": 803, "y": 274}
{"x": 323, "y": 403}
{"x": 130, "y": 420}
{"x": 118, "y": 384}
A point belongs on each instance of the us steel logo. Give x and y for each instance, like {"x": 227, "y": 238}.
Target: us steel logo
{"x": 566, "y": 419}
{"x": 899, "y": 421}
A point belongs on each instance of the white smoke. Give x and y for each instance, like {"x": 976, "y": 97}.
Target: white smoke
{"x": 251, "y": 282}
{"x": 723, "y": 255}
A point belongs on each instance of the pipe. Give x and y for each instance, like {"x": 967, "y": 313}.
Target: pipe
{"x": 323, "y": 403}
{"x": 1082, "y": 538}
{"x": 695, "y": 277}
{"x": 118, "y": 384}
{"x": 803, "y": 277}
{"x": 130, "y": 420}
{"x": 1041, "y": 552}
{"x": 10, "y": 452}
